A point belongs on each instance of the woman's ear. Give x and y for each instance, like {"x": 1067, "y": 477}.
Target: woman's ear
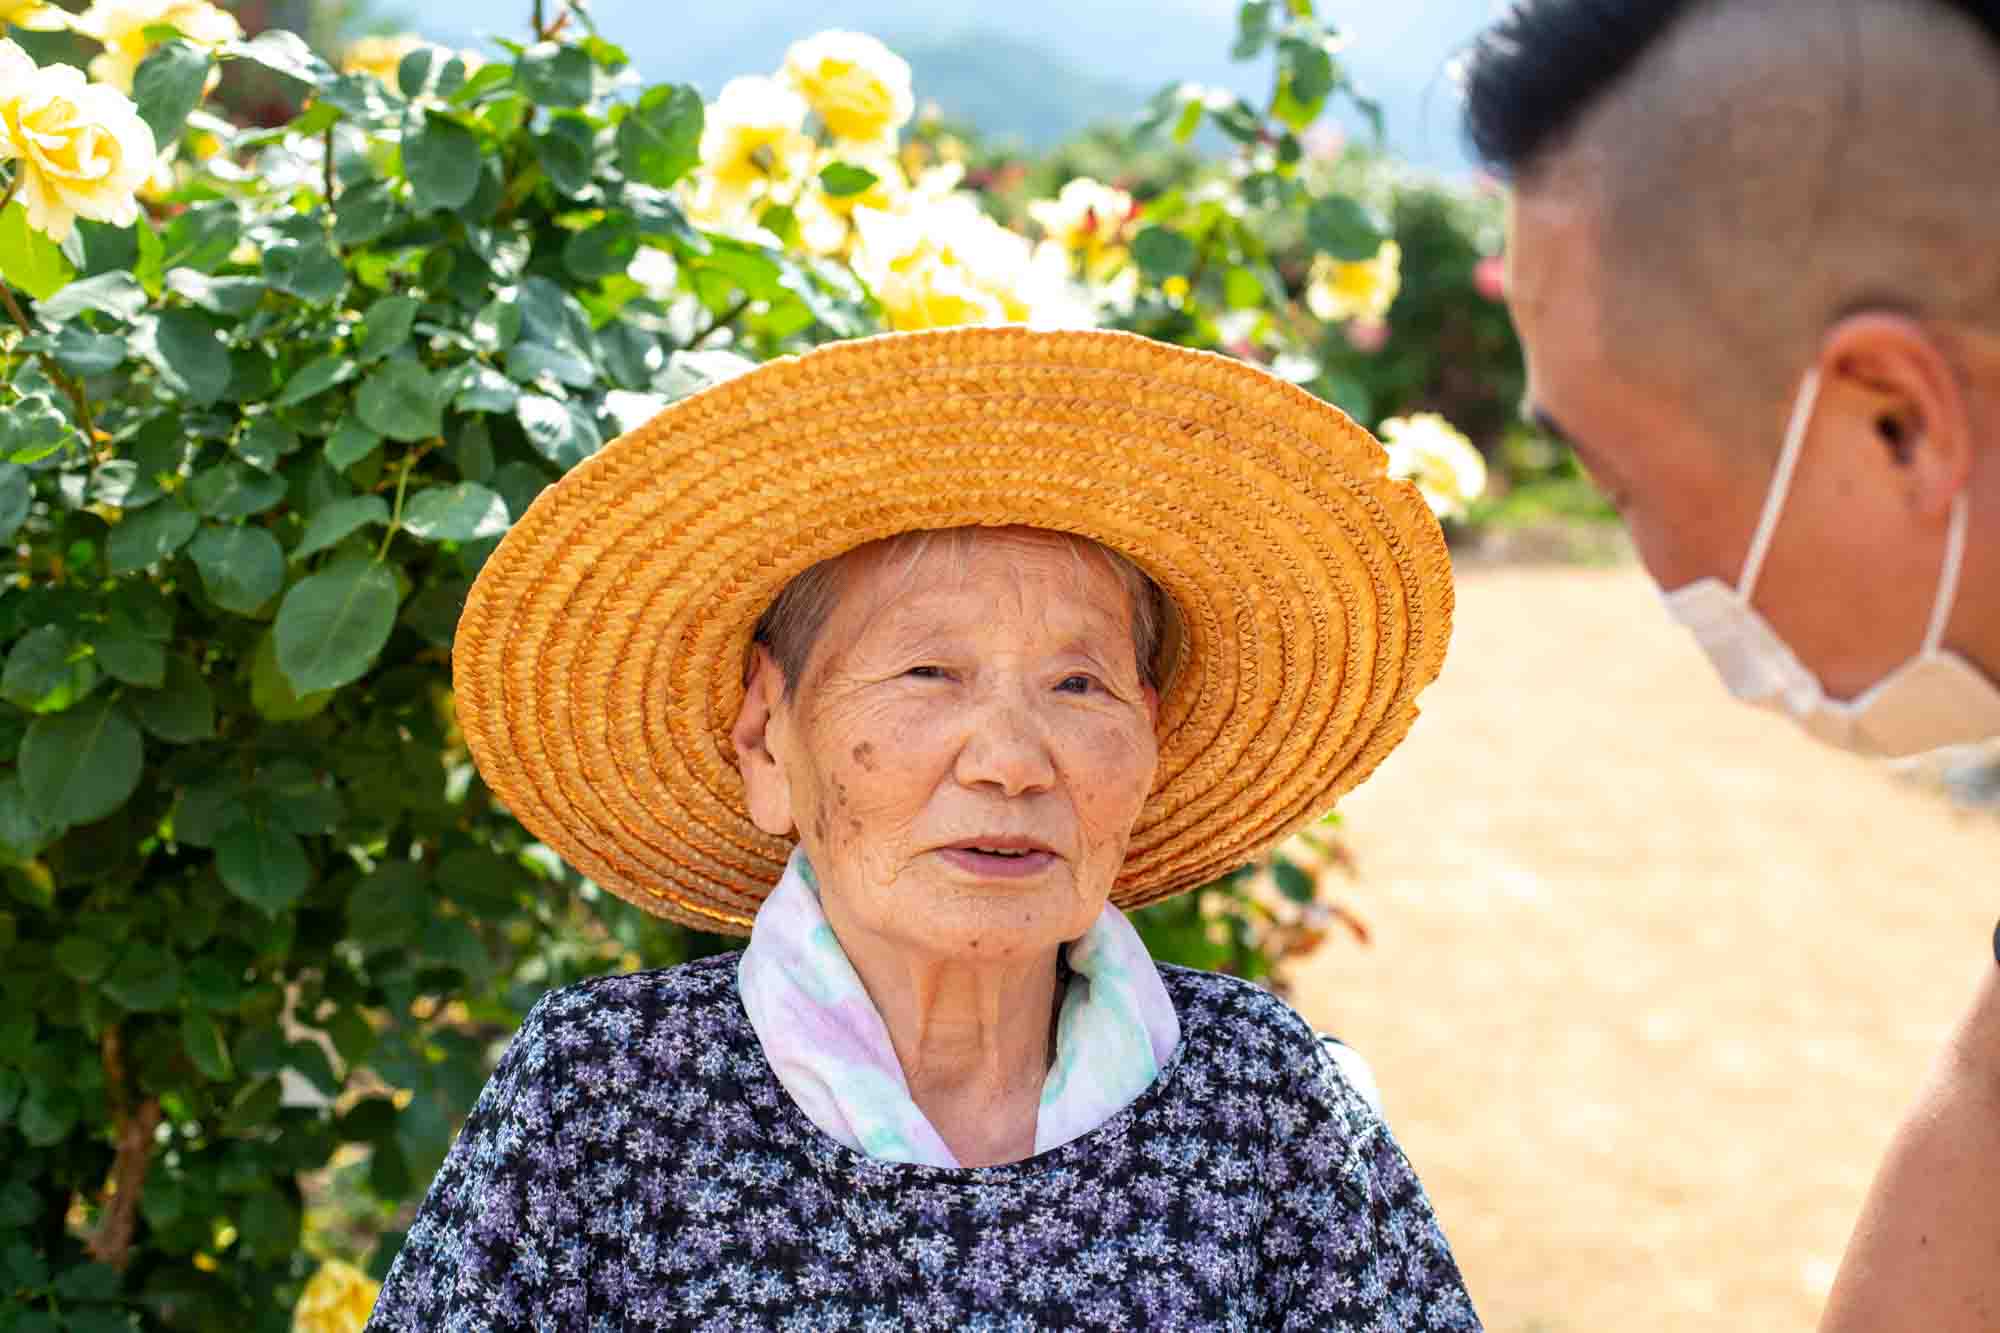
{"x": 1898, "y": 388}
{"x": 765, "y": 787}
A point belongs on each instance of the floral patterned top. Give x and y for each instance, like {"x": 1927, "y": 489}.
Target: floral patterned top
{"x": 634, "y": 1164}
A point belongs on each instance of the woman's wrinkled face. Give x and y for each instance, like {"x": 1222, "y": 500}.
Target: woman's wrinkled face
{"x": 968, "y": 747}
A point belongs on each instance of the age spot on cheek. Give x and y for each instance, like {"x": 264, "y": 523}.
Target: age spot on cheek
{"x": 864, "y": 755}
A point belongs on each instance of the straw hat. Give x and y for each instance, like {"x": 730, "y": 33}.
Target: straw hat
{"x": 599, "y": 661}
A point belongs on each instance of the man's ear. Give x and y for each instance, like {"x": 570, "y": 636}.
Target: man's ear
{"x": 1896, "y": 386}
{"x": 764, "y": 783}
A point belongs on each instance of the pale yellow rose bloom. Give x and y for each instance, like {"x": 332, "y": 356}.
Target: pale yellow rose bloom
{"x": 1433, "y": 453}
{"x": 337, "y": 1299}
{"x": 34, "y": 15}
{"x": 78, "y": 149}
{"x": 120, "y": 27}
{"x": 1092, "y": 221}
{"x": 946, "y": 262}
{"x": 859, "y": 88}
{"x": 754, "y": 135}
{"x": 1359, "y": 289}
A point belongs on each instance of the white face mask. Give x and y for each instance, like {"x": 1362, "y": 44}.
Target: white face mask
{"x": 1936, "y": 698}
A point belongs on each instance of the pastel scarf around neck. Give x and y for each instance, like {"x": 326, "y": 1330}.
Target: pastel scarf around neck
{"x": 830, "y": 1048}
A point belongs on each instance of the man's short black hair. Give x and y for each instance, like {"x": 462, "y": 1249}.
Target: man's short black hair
{"x": 1530, "y": 78}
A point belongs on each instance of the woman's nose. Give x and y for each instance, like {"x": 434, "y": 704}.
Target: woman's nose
{"x": 1007, "y": 747}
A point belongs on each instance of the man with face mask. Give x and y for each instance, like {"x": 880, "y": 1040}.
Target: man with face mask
{"x": 1755, "y": 262}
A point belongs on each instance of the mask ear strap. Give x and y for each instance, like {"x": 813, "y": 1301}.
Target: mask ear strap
{"x": 1954, "y": 563}
{"x": 1781, "y": 485}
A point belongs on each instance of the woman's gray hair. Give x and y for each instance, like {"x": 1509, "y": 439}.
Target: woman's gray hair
{"x": 791, "y": 624}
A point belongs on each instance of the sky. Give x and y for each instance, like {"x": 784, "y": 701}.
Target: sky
{"x": 1400, "y": 49}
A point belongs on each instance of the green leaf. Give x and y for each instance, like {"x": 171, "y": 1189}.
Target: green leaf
{"x": 78, "y": 350}
{"x": 350, "y": 443}
{"x": 659, "y": 140}
{"x": 557, "y": 430}
{"x": 116, "y": 294}
{"x": 88, "y": 1282}
{"x": 1163, "y": 253}
{"x": 242, "y": 568}
{"x": 149, "y": 536}
{"x": 367, "y": 213}
{"x": 387, "y": 326}
{"x": 305, "y": 269}
{"x": 77, "y": 767}
{"x": 28, "y": 259}
{"x": 272, "y": 695}
{"x": 568, "y": 152}
{"x": 481, "y": 388}
{"x": 315, "y": 378}
{"x": 465, "y": 512}
{"x": 168, "y": 85}
{"x": 185, "y": 346}
{"x": 269, "y": 1226}
{"x": 16, "y": 497}
{"x": 127, "y": 656}
{"x": 1345, "y": 228}
{"x": 223, "y": 296}
{"x": 32, "y": 429}
{"x": 602, "y": 251}
{"x": 145, "y": 979}
{"x": 555, "y": 75}
{"x": 336, "y": 521}
{"x": 1253, "y": 29}
{"x": 45, "y": 1119}
{"x": 47, "y": 671}
{"x": 202, "y": 1040}
{"x": 1293, "y": 882}
{"x": 400, "y": 400}
{"x": 284, "y": 53}
{"x": 264, "y": 442}
{"x": 843, "y": 180}
{"x": 442, "y": 161}
{"x": 23, "y": 831}
{"x": 82, "y": 957}
{"x": 234, "y": 490}
{"x": 182, "y": 710}
{"x": 263, "y": 865}
{"x": 332, "y": 624}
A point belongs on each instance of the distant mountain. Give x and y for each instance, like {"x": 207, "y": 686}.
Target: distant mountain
{"x": 1011, "y": 88}
{"x": 1038, "y": 68}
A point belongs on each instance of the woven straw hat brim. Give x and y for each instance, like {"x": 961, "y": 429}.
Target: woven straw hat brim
{"x": 598, "y": 663}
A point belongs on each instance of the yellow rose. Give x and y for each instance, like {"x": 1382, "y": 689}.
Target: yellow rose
{"x": 947, "y": 262}
{"x": 1089, "y": 219}
{"x": 859, "y": 88}
{"x": 337, "y": 1299}
{"x": 120, "y": 26}
{"x": 1433, "y": 453}
{"x": 753, "y": 135}
{"x": 34, "y": 15}
{"x": 1361, "y": 289}
{"x": 79, "y": 149}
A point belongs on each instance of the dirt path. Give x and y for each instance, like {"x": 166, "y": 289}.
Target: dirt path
{"x": 1653, "y": 974}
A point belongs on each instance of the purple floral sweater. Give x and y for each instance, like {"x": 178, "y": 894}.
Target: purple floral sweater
{"x": 634, "y": 1164}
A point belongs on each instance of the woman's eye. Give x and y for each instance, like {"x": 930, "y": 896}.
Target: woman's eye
{"x": 926, "y": 672}
{"x": 1076, "y": 684}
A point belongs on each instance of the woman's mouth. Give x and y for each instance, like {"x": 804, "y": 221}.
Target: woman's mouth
{"x": 1007, "y": 859}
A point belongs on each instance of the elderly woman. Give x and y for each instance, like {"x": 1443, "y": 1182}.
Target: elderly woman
{"x": 918, "y": 658}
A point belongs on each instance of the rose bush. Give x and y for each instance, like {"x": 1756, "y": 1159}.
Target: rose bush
{"x": 264, "y": 929}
